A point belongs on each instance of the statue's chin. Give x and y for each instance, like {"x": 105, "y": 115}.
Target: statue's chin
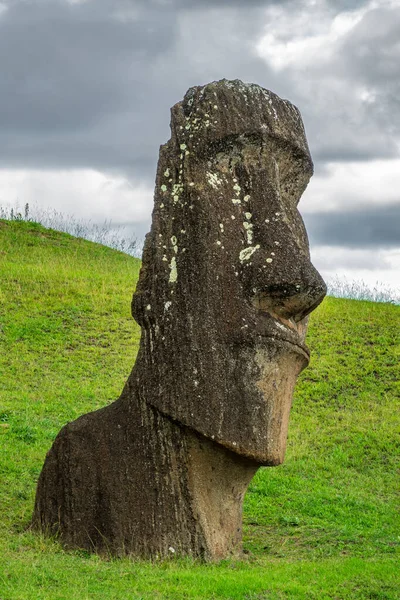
{"x": 277, "y": 381}
{"x": 278, "y": 365}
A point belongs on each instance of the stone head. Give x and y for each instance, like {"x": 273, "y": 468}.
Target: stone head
{"x": 226, "y": 284}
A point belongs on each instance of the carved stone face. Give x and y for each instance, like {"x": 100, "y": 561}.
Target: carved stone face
{"x": 227, "y": 283}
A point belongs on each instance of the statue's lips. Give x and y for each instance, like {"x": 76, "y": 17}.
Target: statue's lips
{"x": 299, "y": 348}
{"x": 282, "y": 331}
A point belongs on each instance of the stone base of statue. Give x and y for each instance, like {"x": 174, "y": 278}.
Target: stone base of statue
{"x": 127, "y": 480}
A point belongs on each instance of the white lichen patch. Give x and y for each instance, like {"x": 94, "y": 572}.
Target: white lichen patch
{"x": 233, "y": 217}
{"x": 166, "y": 173}
{"x": 165, "y": 259}
{"x": 148, "y": 307}
{"x": 269, "y": 260}
{"x": 215, "y": 107}
{"x": 218, "y": 243}
{"x": 237, "y": 188}
{"x": 191, "y": 184}
{"x": 221, "y": 226}
{"x": 167, "y": 305}
{"x": 236, "y": 201}
{"x": 174, "y": 243}
{"x": 163, "y": 188}
{"x": 249, "y": 228}
{"x": 213, "y": 180}
{"x": 177, "y": 189}
{"x": 249, "y": 231}
{"x": 247, "y": 253}
{"x": 183, "y": 146}
{"x": 173, "y": 275}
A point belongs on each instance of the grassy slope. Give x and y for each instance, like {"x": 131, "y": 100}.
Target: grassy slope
{"x": 323, "y": 525}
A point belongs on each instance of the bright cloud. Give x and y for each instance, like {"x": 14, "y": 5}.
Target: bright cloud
{"x": 85, "y": 193}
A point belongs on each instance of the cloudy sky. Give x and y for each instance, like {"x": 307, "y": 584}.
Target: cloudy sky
{"x": 86, "y": 87}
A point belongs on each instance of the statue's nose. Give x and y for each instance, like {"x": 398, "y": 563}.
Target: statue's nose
{"x": 293, "y": 293}
{"x": 284, "y": 281}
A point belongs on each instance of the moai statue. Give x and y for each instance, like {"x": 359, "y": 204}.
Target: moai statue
{"x": 222, "y": 300}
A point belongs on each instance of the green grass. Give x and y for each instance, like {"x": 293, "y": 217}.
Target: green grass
{"x": 324, "y": 525}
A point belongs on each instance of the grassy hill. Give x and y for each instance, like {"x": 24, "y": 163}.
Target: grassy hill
{"x": 323, "y": 525}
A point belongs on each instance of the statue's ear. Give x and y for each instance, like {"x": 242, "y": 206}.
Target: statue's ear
{"x": 139, "y": 302}
{"x": 144, "y": 291}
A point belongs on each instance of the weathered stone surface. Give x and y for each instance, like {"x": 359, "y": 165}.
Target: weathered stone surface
{"x": 223, "y": 296}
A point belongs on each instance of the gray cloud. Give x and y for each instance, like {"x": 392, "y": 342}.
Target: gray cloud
{"x": 201, "y": 4}
{"x": 371, "y": 55}
{"x": 330, "y": 260}
{"x": 66, "y": 67}
{"x": 90, "y": 84}
{"x": 349, "y": 92}
{"x": 376, "y": 227}
{"x": 372, "y": 50}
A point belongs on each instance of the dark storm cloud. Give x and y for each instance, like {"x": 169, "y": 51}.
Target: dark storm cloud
{"x": 63, "y": 70}
{"x": 376, "y": 227}
{"x": 70, "y": 71}
{"x": 90, "y": 84}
